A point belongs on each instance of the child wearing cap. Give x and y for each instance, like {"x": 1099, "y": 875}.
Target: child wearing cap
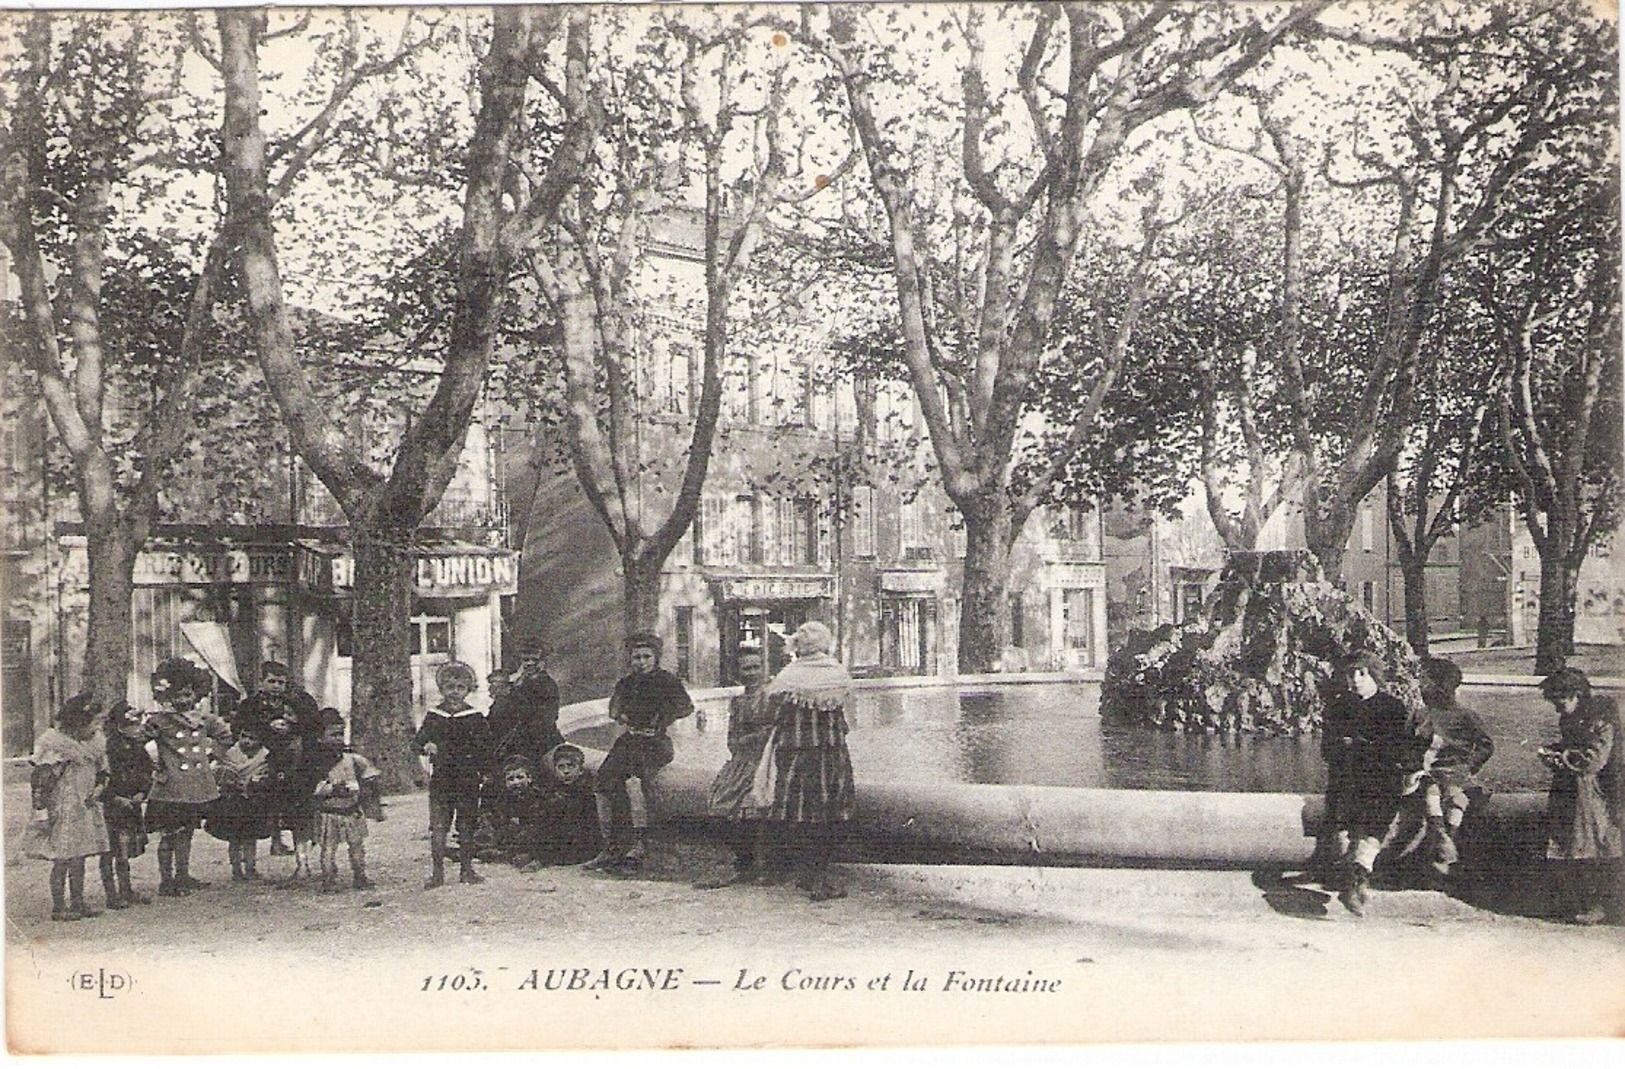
{"x": 1370, "y": 747}
{"x": 455, "y": 743}
{"x": 1459, "y": 746}
{"x": 646, "y": 701}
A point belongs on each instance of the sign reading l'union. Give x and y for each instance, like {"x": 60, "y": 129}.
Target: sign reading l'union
{"x": 439, "y": 575}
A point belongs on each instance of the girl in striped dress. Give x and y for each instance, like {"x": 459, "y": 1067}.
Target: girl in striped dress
{"x": 805, "y": 779}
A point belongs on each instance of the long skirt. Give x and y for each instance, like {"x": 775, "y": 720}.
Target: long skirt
{"x": 731, "y": 790}
{"x": 812, "y": 768}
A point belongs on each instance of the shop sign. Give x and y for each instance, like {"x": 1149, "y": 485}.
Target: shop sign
{"x": 439, "y": 575}
{"x": 778, "y": 588}
{"x": 910, "y": 582}
{"x": 197, "y": 565}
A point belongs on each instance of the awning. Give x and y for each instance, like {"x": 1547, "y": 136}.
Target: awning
{"x": 213, "y": 643}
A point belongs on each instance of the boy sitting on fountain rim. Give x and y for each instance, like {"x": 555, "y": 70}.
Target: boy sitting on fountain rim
{"x": 1371, "y": 749}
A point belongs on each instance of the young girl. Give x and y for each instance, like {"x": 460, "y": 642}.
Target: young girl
{"x": 241, "y": 815}
{"x": 69, "y": 776}
{"x": 129, "y": 770}
{"x": 346, "y": 796}
{"x": 185, "y": 742}
{"x": 1583, "y": 808}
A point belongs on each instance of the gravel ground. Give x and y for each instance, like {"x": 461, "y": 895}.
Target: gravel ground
{"x": 914, "y": 955}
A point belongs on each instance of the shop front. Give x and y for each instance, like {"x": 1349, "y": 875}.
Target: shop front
{"x": 456, "y": 615}
{"x": 764, "y": 610}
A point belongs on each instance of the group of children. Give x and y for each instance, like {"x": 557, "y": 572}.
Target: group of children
{"x": 492, "y": 783}
{"x": 1400, "y": 786}
{"x": 286, "y": 767}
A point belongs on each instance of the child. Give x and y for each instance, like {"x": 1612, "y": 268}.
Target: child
{"x": 129, "y": 772}
{"x": 345, "y": 796}
{"x": 1459, "y": 747}
{"x": 750, "y": 723}
{"x": 68, "y": 778}
{"x": 646, "y": 701}
{"x": 288, "y": 787}
{"x": 286, "y": 720}
{"x": 241, "y": 815}
{"x": 455, "y": 741}
{"x": 1370, "y": 747}
{"x": 1583, "y": 810}
{"x": 569, "y": 809}
{"x": 184, "y": 743}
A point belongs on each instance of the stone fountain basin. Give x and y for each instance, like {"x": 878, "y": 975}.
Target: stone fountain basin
{"x": 1019, "y": 823}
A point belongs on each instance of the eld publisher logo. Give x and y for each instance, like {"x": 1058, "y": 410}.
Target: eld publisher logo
{"x": 103, "y": 983}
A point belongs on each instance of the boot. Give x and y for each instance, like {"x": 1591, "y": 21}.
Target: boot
{"x": 359, "y": 879}
{"x": 467, "y": 873}
{"x": 1356, "y": 893}
{"x": 1444, "y": 847}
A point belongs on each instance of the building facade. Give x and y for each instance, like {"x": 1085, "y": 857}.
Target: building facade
{"x": 821, "y": 502}
{"x": 268, "y": 579}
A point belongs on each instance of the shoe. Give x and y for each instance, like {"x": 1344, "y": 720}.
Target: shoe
{"x": 238, "y": 877}
{"x": 826, "y": 892}
{"x": 170, "y": 889}
{"x": 1591, "y": 917}
{"x": 1356, "y": 896}
{"x": 187, "y": 883}
{"x": 605, "y": 859}
{"x": 86, "y": 911}
{"x": 733, "y": 879}
{"x": 469, "y": 876}
{"x": 361, "y": 883}
{"x": 251, "y": 876}
{"x": 131, "y": 898}
{"x": 117, "y": 901}
{"x": 66, "y": 913}
{"x": 328, "y": 887}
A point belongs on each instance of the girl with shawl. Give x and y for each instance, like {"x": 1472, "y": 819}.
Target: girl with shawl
{"x": 1584, "y": 806}
{"x": 68, "y": 778}
{"x": 804, "y": 782}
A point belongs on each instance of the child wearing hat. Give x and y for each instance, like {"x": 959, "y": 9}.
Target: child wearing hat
{"x": 646, "y": 701}
{"x": 185, "y": 742}
{"x": 1371, "y": 747}
{"x": 1586, "y": 805}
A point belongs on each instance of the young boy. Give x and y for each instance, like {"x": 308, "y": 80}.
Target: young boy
{"x": 1459, "y": 748}
{"x": 344, "y": 796}
{"x": 455, "y": 741}
{"x": 1370, "y": 747}
{"x": 129, "y": 780}
{"x": 569, "y": 808}
{"x": 184, "y": 743}
{"x": 646, "y": 701}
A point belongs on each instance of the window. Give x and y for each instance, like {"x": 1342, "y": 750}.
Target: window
{"x": 956, "y": 532}
{"x": 433, "y": 635}
{"x": 911, "y": 529}
{"x": 863, "y": 521}
{"x": 797, "y": 530}
{"x": 684, "y": 625}
{"x": 1017, "y": 621}
{"x": 1368, "y": 533}
{"x": 343, "y": 638}
{"x": 1078, "y": 624}
{"x": 746, "y": 522}
{"x": 908, "y": 634}
{"x": 1368, "y": 595}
